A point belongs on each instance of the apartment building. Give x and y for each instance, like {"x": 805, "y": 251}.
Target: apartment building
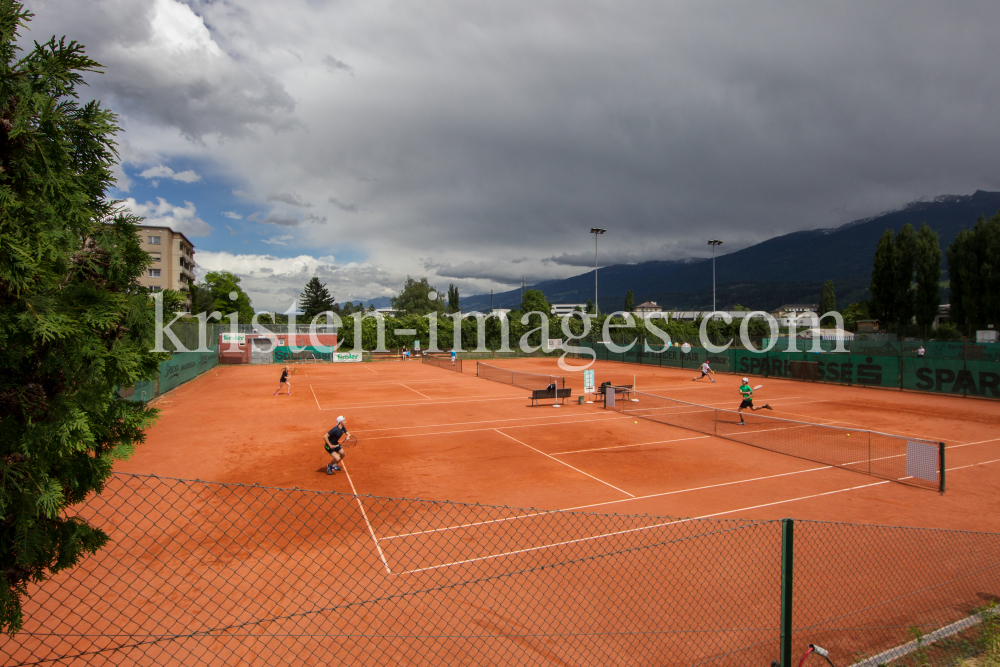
{"x": 173, "y": 260}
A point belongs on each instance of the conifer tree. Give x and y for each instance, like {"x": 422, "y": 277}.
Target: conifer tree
{"x": 315, "y": 299}
{"x": 827, "y": 299}
{"x": 904, "y": 257}
{"x": 928, "y": 273}
{"x": 453, "y": 305}
{"x": 75, "y": 324}
{"x": 883, "y": 285}
{"x": 629, "y": 301}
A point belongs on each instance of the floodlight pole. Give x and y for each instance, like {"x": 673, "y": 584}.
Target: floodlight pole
{"x": 596, "y": 231}
{"x": 713, "y": 243}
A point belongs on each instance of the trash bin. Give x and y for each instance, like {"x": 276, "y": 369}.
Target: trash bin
{"x": 583, "y": 399}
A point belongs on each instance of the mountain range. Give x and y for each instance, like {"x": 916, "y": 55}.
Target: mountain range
{"x": 783, "y": 269}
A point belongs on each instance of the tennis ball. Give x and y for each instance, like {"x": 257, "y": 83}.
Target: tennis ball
{"x": 635, "y": 422}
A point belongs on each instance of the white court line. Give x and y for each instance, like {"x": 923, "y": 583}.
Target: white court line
{"x": 630, "y": 530}
{"x": 640, "y": 444}
{"x": 609, "y": 502}
{"x": 364, "y": 514}
{"x": 565, "y": 464}
{"x": 612, "y": 416}
{"x": 369, "y": 370}
{"x": 966, "y": 444}
{"x": 901, "y": 434}
{"x": 416, "y": 392}
{"x": 782, "y": 502}
{"x": 971, "y": 465}
{"x": 314, "y": 397}
{"x": 444, "y": 401}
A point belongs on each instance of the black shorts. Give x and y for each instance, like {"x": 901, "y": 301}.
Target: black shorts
{"x": 703, "y": 374}
{"x": 330, "y": 450}
{"x": 747, "y": 403}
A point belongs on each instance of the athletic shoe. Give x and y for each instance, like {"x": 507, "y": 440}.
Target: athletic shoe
{"x": 768, "y": 406}
{"x": 337, "y": 468}
{"x": 275, "y": 393}
{"x": 329, "y": 471}
{"x": 742, "y": 424}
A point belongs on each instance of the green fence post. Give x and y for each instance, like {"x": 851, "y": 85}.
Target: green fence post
{"x": 941, "y": 466}
{"x": 787, "y": 550}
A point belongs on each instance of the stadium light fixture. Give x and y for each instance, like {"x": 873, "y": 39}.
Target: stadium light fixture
{"x": 596, "y": 231}
{"x": 713, "y": 243}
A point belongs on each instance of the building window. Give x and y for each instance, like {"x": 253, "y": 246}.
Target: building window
{"x": 156, "y": 256}
{"x": 154, "y": 240}
{"x": 154, "y": 273}
{"x": 156, "y": 289}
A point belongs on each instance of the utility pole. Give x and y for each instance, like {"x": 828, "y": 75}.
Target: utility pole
{"x": 713, "y": 243}
{"x": 596, "y": 231}
{"x": 491, "y": 300}
{"x": 522, "y": 291}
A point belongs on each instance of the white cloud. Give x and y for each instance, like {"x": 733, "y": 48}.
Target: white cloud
{"x": 511, "y": 132}
{"x": 182, "y": 219}
{"x": 232, "y": 215}
{"x": 161, "y": 171}
{"x": 273, "y": 282}
{"x": 279, "y": 240}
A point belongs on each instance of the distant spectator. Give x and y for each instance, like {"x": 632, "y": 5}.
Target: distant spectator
{"x": 921, "y": 351}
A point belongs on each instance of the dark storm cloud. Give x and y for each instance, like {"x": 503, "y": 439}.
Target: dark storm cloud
{"x": 480, "y": 133}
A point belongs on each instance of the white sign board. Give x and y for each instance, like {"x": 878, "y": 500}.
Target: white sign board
{"x": 554, "y": 344}
{"x": 345, "y": 356}
{"x": 416, "y": 345}
{"x": 588, "y": 382}
{"x": 238, "y": 339}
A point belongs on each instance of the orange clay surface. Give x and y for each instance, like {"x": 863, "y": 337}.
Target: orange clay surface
{"x": 189, "y": 564}
{"x": 431, "y": 433}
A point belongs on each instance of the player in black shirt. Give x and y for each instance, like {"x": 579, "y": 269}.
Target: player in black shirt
{"x": 332, "y": 445}
{"x": 284, "y": 381}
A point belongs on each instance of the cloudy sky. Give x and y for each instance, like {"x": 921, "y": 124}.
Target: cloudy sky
{"x": 476, "y": 143}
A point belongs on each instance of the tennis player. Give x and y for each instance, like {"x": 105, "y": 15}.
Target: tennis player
{"x": 284, "y": 381}
{"x": 705, "y": 372}
{"x": 747, "y": 391}
{"x": 331, "y": 443}
{"x": 454, "y": 355}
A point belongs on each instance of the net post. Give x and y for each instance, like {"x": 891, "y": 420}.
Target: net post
{"x": 941, "y": 467}
{"x": 477, "y": 369}
{"x": 787, "y": 552}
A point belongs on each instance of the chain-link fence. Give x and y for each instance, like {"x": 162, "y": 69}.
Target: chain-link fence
{"x": 215, "y": 574}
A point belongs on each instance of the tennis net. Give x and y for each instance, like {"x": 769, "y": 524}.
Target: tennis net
{"x": 443, "y": 362}
{"x": 518, "y": 378}
{"x": 902, "y": 459}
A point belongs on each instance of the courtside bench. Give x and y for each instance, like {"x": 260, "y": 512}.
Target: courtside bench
{"x": 623, "y": 390}
{"x": 553, "y": 394}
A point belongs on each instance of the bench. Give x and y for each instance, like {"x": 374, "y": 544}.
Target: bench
{"x": 554, "y": 394}
{"x": 623, "y": 390}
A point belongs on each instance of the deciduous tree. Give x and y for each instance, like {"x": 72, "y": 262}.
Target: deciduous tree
{"x": 904, "y": 256}
{"x": 415, "y": 298}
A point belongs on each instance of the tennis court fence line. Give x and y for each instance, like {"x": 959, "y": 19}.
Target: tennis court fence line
{"x": 199, "y": 573}
{"x": 907, "y": 460}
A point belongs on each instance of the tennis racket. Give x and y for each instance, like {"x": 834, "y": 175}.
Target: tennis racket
{"x": 349, "y": 441}
{"x": 760, "y": 386}
{"x": 291, "y": 371}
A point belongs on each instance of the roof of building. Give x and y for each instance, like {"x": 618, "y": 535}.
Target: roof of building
{"x": 798, "y": 306}
{"x": 172, "y": 231}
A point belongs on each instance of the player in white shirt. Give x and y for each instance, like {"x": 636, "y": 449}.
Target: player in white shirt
{"x": 705, "y": 371}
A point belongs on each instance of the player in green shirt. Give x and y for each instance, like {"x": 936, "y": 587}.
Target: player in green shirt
{"x": 747, "y": 392}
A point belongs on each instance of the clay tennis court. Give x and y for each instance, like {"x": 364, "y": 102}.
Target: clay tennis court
{"x": 427, "y": 432}
{"x": 275, "y": 573}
